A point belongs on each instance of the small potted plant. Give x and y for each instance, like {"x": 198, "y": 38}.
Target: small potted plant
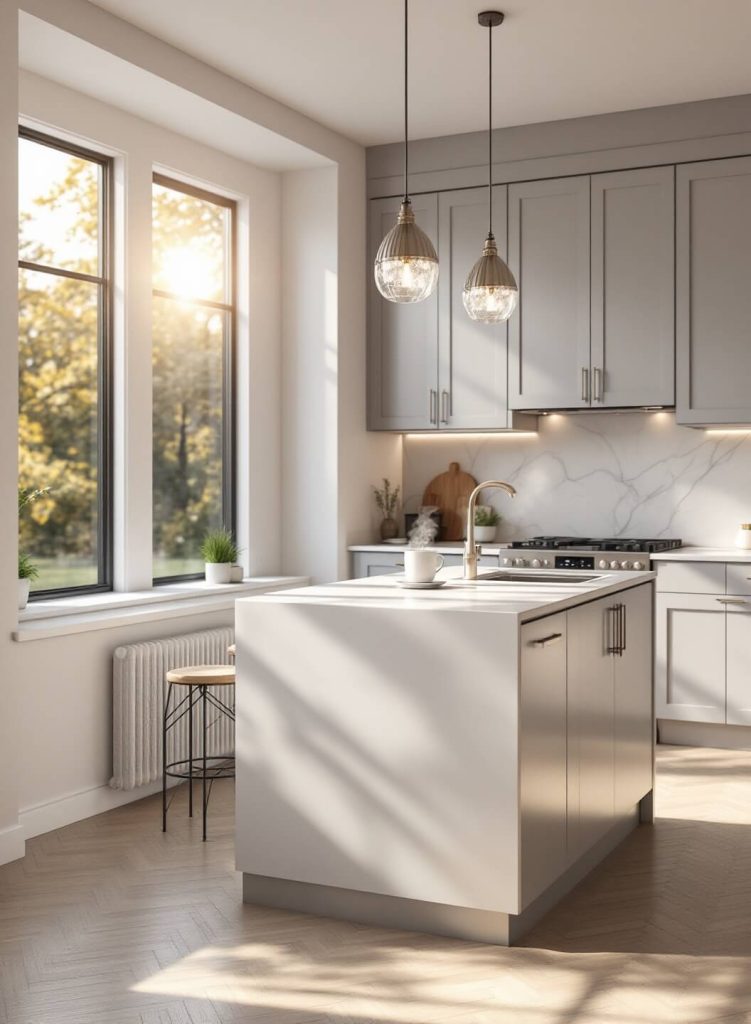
{"x": 486, "y": 521}
{"x": 219, "y": 552}
{"x": 386, "y": 501}
{"x": 27, "y": 572}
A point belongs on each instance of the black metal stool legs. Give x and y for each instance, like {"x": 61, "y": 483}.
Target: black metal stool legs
{"x": 205, "y": 799}
{"x": 165, "y": 717}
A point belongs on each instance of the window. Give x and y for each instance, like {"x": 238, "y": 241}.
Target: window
{"x": 192, "y": 351}
{"x": 64, "y": 364}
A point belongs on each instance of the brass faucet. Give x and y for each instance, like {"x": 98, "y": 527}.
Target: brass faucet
{"x": 471, "y": 550}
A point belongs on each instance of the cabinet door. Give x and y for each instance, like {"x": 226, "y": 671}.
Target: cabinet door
{"x": 549, "y": 353}
{"x": 472, "y": 355}
{"x": 590, "y": 726}
{"x": 375, "y": 563}
{"x": 713, "y": 299}
{"x": 690, "y": 657}
{"x": 633, "y": 288}
{"x": 738, "y": 623}
{"x": 542, "y": 754}
{"x": 634, "y": 715}
{"x": 402, "y": 338}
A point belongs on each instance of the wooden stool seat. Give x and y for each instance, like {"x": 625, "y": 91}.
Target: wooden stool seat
{"x": 203, "y": 675}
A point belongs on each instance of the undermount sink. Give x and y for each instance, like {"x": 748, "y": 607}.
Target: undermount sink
{"x": 509, "y": 576}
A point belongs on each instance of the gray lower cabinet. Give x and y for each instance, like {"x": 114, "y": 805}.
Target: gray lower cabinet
{"x": 587, "y": 729}
{"x": 402, "y": 338}
{"x": 633, "y": 288}
{"x": 713, "y": 298}
{"x": 549, "y": 353}
{"x": 383, "y": 563}
{"x": 703, "y": 640}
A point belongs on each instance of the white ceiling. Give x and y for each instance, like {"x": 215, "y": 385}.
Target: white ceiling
{"x": 339, "y": 61}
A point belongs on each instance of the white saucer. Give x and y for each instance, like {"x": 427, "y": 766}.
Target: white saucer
{"x": 396, "y": 540}
{"x": 433, "y": 585}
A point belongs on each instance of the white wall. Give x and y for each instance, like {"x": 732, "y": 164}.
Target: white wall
{"x": 606, "y": 474}
{"x": 11, "y": 839}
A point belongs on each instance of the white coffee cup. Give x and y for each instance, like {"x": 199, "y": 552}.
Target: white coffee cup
{"x": 421, "y": 565}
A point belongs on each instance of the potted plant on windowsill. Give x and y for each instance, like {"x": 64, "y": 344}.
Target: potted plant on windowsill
{"x": 27, "y": 572}
{"x": 486, "y": 524}
{"x": 219, "y": 552}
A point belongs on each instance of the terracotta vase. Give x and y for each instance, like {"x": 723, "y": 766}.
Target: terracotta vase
{"x": 389, "y": 528}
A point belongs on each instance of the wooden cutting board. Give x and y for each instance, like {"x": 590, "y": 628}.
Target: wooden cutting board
{"x": 450, "y": 492}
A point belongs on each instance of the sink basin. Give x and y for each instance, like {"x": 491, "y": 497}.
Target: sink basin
{"x": 559, "y": 578}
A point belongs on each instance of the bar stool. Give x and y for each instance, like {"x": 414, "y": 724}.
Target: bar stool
{"x": 199, "y": 680}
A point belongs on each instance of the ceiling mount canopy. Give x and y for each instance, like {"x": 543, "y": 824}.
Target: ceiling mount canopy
{"x": 490, "y": 291}
{"x": 406, "y": 265}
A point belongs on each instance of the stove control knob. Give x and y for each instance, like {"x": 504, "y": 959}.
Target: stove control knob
{"x": 626, "y": 565}
{"x": 507, "y": 561}
{"x": 639, "y": 565}
{"x": 615, "y": 565}
{"x": 536, "y": 563}
{"x": 520, "y": 562}
{"x": 602, "y": 564}
{"x": 546, "y": 562}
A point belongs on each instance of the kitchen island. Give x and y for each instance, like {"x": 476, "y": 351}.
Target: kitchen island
{"x": 449, "y": 760}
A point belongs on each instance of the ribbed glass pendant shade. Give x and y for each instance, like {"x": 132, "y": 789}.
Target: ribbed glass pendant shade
{"x": 490, "y": 291}
{"x": 406, "y": 265}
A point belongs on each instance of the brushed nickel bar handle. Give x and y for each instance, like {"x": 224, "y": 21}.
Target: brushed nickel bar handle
{"x": 623, "y": 630}
{"x": 597, "y": 383}
{"x": 732, "y": 600}
{"x": 433, "y": 406}
{"x": 545, "y": 641}
{"x": 585, "y": 384}
{"x": 444, "y": 406}
{"x": 613, "y": 643}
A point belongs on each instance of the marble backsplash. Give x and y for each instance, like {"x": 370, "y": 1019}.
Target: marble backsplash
{"x": 606, "y": 474}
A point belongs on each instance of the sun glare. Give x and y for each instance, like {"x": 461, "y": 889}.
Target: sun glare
{"x": 187, "y": 271}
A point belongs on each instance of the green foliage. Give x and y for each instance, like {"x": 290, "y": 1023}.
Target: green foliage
{"x": 27, "y": 497}
{"x": 26, "y": 568}
{"x": 486, "y": 516}
{"x": 386, "y": 499}
{"x": 58, "y": 435}
{"x": 219, "y": 546}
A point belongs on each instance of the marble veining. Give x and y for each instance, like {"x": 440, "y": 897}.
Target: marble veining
{"x": 607, "y": 474}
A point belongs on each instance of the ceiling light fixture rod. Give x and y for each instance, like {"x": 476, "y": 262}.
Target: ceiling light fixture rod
{"x": 489, "y": 20}
{"x": 406, "y": 100}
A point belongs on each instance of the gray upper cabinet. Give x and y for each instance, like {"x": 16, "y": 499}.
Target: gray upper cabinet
{"x": 713, "y": 298}
{"x": 633, "y": 260}
{"x": 472, "y": 355}
{"x": 549, "y": 352}
{"x": 402, "y": 338}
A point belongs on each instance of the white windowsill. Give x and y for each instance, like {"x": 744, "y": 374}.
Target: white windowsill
{"x": 44, "y": 619}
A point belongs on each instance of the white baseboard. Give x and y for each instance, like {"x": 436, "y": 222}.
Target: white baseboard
{"x": 41, "y": 818}
{"x": 12, "y": 843}
{"x": 704, "y": 734}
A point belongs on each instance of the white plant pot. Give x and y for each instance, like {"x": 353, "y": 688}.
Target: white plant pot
{"x": 485, "y": 534}
{"x": 23, "y": 593}
{"x": 218, "y": 572}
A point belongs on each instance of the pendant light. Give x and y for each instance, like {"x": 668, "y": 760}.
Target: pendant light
{"x": 406, "y": 265}
{"x": 490, "y": 292}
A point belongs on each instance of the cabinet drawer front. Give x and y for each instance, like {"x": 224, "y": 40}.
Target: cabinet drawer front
{"x": 691, "y": 577}
{"x": 373, "y": 563}
{"x": 739, "y": 578}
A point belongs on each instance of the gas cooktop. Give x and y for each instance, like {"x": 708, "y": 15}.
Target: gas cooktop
{"x": 649, "y": 546}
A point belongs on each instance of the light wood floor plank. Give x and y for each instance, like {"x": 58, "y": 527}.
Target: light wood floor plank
{"x": 110, "y": 922}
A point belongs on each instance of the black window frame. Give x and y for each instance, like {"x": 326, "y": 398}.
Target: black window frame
{"x": 229, "y": 393}
{"x": 105, "y": 496}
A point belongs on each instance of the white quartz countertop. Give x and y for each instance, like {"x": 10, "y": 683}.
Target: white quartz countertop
{"x": 526, "y": 600}
{"x": 698, "y": 554}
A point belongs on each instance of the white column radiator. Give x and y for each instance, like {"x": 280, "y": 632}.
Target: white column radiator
{"x": 138, "y": 695}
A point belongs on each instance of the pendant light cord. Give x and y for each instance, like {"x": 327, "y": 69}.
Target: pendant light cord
{"x": 406, "y": 95}
{"x": 490, "y": 128}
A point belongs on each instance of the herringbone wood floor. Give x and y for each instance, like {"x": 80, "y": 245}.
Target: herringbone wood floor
{"x": 109, "y": 921}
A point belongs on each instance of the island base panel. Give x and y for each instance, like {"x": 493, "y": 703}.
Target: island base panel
{"x": 434, "y": 918}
